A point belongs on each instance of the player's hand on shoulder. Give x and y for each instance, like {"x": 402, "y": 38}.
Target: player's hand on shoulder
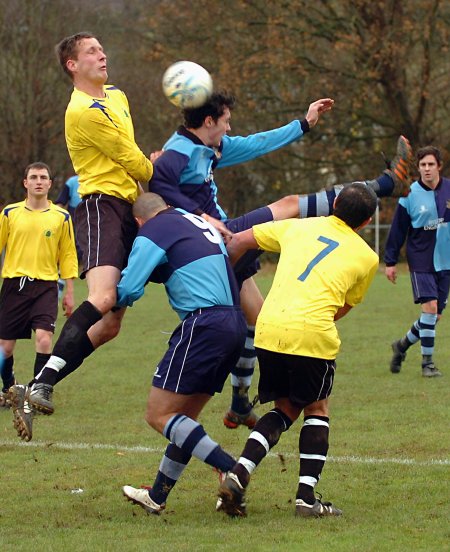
{"x": 316, "y": 109}
{"x": 156, "y": 155}
{"x": 219, "y": 226}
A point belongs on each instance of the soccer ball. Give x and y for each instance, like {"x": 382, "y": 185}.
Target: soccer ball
{"x": 187, "y": 84}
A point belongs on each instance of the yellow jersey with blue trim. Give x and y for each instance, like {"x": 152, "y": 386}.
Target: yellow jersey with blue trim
{"x": 323, "y": 265}
{"x": 100, "y": 140}
{"x": 39, "y": 244}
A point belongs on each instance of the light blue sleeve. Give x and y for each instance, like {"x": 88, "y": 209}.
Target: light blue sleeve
{"x": 238, "y": 149}
{"x": 145, "y": 256}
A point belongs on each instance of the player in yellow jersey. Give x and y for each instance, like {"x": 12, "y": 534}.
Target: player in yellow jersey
{"x": 38, "y": 240}
{"x": 100, "y": 139}
{"x": 325, "y": 269}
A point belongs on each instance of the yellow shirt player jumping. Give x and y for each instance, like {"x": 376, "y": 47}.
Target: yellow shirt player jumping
{"x": 100, "y": 139}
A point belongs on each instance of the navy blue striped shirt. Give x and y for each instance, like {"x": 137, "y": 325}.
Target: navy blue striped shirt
{"x": 186, "y": 254}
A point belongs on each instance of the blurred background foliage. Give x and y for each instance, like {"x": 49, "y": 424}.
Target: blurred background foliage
{"x": 385, "y": 62}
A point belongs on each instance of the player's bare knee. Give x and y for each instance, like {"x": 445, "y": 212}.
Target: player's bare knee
{"x": 154, "y": 420}
{"x": 43, "y": 341}
{"x": 105, "y": 301}
{"x": 7, "y": 347}
{"x": 318, "y": 408}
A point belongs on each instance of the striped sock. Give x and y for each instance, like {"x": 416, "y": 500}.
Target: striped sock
{"x": 313, "y": 446}
{"x": 413, "y": 335}
{"x": 242, "y": 374}
{"x": 264, "y": 437}
{"x": 321, "y": 203}
{"x": 427, "y": 333}
{"x": 172, "y": 466}
{"x": 191, "y": 438}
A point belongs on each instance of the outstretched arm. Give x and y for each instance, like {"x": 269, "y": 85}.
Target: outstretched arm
{"x": 239, "y": 149}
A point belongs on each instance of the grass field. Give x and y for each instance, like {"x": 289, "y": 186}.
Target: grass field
{"x": 388, "y": 465}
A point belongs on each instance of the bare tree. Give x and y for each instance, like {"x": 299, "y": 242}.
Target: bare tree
{"x": 383, "y": 61}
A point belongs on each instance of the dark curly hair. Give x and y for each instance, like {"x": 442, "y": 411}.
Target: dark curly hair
{"x": 214, "y": 107}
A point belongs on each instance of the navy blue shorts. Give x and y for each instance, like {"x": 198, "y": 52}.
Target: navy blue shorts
{"x": 303, "y": 380}
{"x": 248, "y": 264}
{"x": 202, "y": 351}
{"x": 431, "y": 286}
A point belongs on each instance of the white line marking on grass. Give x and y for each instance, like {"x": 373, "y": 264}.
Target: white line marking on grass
{"x": 159, "y": 450}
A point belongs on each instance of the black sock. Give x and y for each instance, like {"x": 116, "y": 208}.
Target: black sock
{"x": 8, "y": 373}
{"x": 86, "y": 348}
{"x": 71, "y": 341}
{"x": 39, "y": 362}
{"x": 76, "y": 327}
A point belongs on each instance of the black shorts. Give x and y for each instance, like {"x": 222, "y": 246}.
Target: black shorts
{"x": 303, "y": 380}
{"x": 104, "y": 231}
{"x": 25, "y": 305}
{"x": 248, "y": 264}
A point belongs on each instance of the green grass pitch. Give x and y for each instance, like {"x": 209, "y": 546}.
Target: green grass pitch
{"x": 388, "y": 465}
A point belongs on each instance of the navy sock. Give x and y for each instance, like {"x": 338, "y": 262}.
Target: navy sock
{"x": 385, "y": 185}
{"x": 172, "y": 466}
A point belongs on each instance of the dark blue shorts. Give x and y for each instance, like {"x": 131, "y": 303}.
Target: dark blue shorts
{"x": 248, "y": 264}
{"x": 202, "y": 351}
{"x": 431, "y": 286}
